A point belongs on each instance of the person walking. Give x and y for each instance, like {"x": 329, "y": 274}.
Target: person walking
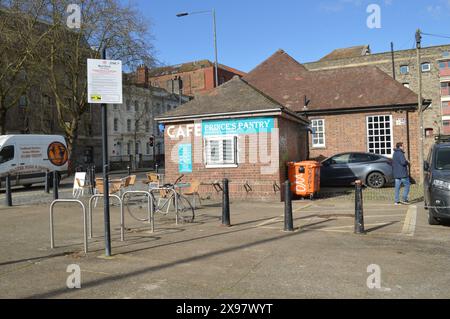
{"x": 400, "y": 171}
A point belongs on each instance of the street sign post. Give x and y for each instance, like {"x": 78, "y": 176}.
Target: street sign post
{"x": 105, "y": 87}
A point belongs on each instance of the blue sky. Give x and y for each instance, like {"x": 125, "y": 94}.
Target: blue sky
{"x": 249, "y": 31}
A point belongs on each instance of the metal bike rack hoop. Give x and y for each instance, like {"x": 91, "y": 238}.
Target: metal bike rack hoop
{"x": 52, "y": 205}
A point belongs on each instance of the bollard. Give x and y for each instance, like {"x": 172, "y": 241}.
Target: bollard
{"x": 47, "y": 182}
{"x": 359, "y": 212}
{"x": 225, "y": 204}
{"x": 8, "y": 191}
{"x": 288, "y": 219}
{"x": 129, "y": 170}
{"x": 92, "y": 180}
{"x": 156, "y": 168}
{"x": 55, "y": 185}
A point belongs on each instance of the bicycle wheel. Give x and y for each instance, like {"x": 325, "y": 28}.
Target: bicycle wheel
{"x": 137, "y": 208}
{"x": 185, "y": 210}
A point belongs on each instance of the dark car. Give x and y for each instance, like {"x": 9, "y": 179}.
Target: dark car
{"x": 437, "y": 181}
{"x": 345, "y": 168}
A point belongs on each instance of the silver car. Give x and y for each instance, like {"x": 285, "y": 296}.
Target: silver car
{"x": 345, "y": 168}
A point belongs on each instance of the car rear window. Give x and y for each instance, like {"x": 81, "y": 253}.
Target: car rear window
{"x": 443, "y": 159}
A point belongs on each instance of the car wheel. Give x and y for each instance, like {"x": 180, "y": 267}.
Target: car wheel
{"x": 376, "y": 180}
{"x": 431, "y": 219}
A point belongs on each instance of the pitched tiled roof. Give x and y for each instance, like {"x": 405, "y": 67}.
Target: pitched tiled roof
{"x": 233, "y": 96}
{"x": 188, "y": 67}
{"x": 346, "y": 88}
{"x": 347, "y": 53}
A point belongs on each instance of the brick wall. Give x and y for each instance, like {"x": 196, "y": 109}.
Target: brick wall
{"x": 258, "y": 173}
{"x": 348, "y": 133}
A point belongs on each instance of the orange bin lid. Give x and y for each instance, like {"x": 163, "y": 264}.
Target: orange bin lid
{"x": 305, "y": 163}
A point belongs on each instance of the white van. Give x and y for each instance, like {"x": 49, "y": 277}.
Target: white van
{"x": 26, "y": 158}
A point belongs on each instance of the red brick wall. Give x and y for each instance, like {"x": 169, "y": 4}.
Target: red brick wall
{"x": 254, "y": 167}
{"x": 348, "y": 133}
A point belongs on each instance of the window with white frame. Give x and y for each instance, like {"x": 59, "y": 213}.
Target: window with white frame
{"x": 318, "y": 136}
{"x": 404, "y": 69}
{"x": 221, "y": 151}
{"x": 379, "y": 135}
{"x": 426, "y": 67}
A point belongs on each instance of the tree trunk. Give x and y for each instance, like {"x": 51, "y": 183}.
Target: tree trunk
{"x": 2, "y": 121}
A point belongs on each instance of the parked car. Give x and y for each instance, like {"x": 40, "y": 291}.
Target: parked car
{"x": 345, "y": 168}
{"x": 437, "y": 181}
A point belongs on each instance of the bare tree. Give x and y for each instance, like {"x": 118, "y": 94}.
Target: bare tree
{"x": 22, "y": 34}
{"x": 106, "y": 24}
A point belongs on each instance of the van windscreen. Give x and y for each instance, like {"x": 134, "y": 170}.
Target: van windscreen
{"x": 6, "y": 154}
{"x": 443, "y": 159}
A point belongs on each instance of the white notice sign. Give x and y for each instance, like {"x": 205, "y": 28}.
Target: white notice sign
{"x": 104, "y": 81}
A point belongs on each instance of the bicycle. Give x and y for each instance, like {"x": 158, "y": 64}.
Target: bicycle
{"x": 168, "y": 194}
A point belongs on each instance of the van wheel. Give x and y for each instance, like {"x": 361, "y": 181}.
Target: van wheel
{"x": 431, "y": 219}
{"x": 376, "y": 180}
{"x": 27, "y": 186}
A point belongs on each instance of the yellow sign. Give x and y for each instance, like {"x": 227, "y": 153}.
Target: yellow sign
{"x": 96, "y": 97}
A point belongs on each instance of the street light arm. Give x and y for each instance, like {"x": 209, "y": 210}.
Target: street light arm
{"x": 183, "y": 14}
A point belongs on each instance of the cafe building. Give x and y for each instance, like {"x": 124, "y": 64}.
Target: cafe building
{"x": 236, "y": 132}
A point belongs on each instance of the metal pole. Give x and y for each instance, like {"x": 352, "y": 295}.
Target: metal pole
{"x": 8, "y": 191}
{"x": 105, "y": 176}
{"x": 47, "y": 182}
{"x": 215, "y": 48}
{"x": 288, "y": 219}
{"x": 419, "y": 70}
{"x": 129, "y": 170}
{"x": 393, "y": 60}
{"x": 359, "y": 211}
{"x": 55, "y": 185}
{"x": 225, "y": 204}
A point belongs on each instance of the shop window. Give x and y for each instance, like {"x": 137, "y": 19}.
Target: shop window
{"x": 443, "y": 65}
{"x": 379, "y": 135}
{"x": 221, "y": 151}
{"x": 318, "y": 136}
{"x": 404, "y": 69}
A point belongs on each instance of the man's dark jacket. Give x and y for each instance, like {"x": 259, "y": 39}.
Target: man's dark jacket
{"x": 400, "y": 164}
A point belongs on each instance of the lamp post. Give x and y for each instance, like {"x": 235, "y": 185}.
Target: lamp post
{"x": 213, "y": 12}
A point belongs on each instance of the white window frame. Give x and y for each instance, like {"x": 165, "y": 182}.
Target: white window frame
{"x": 314, "y": 126}
{"x": 407, "y": 68}
{"x": 221, "y": 163}
{"x": 391, "y": 127}
{"x": 423, "y": 64}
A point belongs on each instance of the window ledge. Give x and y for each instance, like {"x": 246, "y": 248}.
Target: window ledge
{"x": 318, "y": 147}
{"x": 221, "y": 166}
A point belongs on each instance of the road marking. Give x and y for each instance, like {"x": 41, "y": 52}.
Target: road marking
{"x": 409, "y": 225}
{"x": 303, "y": 207}
{"x": 273, "y": 220}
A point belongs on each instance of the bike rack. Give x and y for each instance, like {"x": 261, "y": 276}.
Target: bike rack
{"x": 122, "y": 227}
{"x": 176, "y": 201}
{"x": 52, "y": 238}
{"x": 151, "y": 215}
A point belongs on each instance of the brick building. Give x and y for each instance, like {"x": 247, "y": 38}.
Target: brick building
{"x": 197, "y": 77}
{"x": 435, "y": 80}
{"x": 234, "y": 132}
{"x": 351, "y": 109}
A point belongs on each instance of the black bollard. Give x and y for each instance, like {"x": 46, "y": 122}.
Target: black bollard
{"x": 8, "y": 191}
{"x": 129, "y": 170}
{"x": 225, "y": 204}
{"x": 55, "y": 185}
{"x": 288, "y": 219}
{"x": 92, "y": 179}
{"x": 359, "y": 211}
{"x": 156, "y": 168}
{"x": 47, "y": 182}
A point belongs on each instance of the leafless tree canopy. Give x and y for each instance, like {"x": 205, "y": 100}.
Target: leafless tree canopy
{"x": 36, "y": 44}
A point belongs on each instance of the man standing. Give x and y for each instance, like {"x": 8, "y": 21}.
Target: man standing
{"x": 401, "y": 175}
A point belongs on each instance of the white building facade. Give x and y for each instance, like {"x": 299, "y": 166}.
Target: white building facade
{"x": 131, "y": 126}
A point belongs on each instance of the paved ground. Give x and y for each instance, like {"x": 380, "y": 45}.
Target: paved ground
{"x": 252, "y": 259}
